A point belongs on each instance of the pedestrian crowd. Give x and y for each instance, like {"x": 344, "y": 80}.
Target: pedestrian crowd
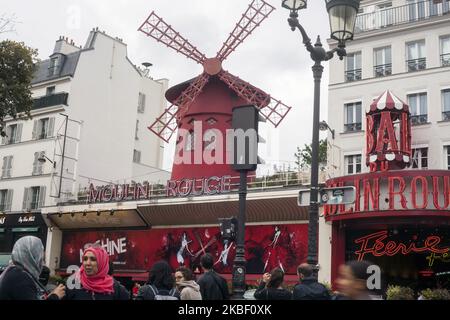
{"x": 27, "y": 278}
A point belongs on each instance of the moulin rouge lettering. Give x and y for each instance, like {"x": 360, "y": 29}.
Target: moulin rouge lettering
{"x": 375, "y": 244}
{"x": 400, "y": 193}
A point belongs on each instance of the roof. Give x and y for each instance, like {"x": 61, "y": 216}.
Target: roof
{"x": 388, "y": 101}
{"x": 68, "y": 68}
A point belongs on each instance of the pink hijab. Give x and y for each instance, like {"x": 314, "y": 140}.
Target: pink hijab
{"x": 100, "y": 282}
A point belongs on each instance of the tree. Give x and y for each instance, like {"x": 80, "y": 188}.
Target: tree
{"x": 17, "y": 66}
{"x": 303, "y": 156}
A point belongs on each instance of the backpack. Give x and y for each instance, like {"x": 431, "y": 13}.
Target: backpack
{"x": 160, "y": 296}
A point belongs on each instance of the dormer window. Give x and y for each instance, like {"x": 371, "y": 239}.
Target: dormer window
{"x": 54, "y": 66}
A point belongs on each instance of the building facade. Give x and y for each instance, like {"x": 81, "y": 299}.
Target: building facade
{"x": 88, "y": 126}
{"x": 404, "y": 47}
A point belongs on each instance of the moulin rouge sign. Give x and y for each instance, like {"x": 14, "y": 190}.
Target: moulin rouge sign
{"x": 174, "y": 188}
{"x": 388, "y": 146}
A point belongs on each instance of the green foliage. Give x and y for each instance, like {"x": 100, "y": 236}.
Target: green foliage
{"x": 435, "y": 294}
{"x": 303, "y": 156}
{"x": 17, "y": 66}
{"x": 399, "y": 293}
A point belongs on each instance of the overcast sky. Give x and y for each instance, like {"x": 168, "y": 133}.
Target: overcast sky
{"x": 273, "y": 58}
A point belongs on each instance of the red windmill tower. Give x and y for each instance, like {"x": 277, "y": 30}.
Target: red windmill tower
{"x": 209, "y": 98}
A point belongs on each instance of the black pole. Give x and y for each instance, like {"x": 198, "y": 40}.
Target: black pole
{"x": 312, "y": 258}
{"x": 239, "y": 259}
{"x": 63, "y": 155}
{"x": 318, "y": 54}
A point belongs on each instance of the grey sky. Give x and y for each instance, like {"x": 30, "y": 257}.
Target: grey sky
{"x": 273, "y": 58}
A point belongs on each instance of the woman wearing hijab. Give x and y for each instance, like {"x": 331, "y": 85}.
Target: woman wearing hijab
{"x": 20, "y": 281}
{"x": 94, "y": 281}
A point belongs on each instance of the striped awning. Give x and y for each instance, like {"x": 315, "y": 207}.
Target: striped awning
{"x": 388, "y": 101}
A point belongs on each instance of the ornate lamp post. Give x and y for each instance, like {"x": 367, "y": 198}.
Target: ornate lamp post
{"x": 342, "y": 15}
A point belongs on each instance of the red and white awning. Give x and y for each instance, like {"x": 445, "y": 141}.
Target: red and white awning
{"x": 388, "y": 101}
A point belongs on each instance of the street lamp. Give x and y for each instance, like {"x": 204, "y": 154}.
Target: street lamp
{"x": 43, "y": 158}
{"x": 323, "y": 126}
{"x": 342, "y": 15}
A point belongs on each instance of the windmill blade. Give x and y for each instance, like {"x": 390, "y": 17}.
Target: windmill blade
{"x": 166, "y": 124}
{"x": 257, "y": 11}
{"x": 271, "y": 109}
{"x": 159, "y": 30}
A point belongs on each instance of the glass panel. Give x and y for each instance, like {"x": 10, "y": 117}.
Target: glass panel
{"x": 350, "y": 62}
{"x": 349, "y": 114}
{"x": 412, "y": 51}
{"x": 358, "y": 113}
{"x": 387, "y": 55}
{"x": 446, "y": 100}
{"x": 412, "y": 101}
{"x": 445, "y": 45}
{"x": 423, "y": 103}
{"x": 421, "y": 46}
{"x": 379, "y": 57}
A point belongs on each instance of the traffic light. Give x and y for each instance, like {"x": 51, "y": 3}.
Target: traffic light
{"x": 245, "y": 123}
{"x": 228, "y": 228}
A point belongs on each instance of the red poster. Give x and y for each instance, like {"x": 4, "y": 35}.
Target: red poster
{"x": 267, "y": 247}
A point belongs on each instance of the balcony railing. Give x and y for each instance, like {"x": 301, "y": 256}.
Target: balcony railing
{"x": 446, "y": 115}
{"x": 51, "y": 100}
{"x": 445, "y": 60}
{"x": 353, "y": 75}
{"x": 383, "y": 70}
{"x": 400, "y": 15}
{"x": 416, "y": 64}
{"x": 419, "y": 119}
{"x": 350, "y": 127}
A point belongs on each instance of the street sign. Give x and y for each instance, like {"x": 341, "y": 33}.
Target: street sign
{"x": 339, "y": 195}
{"x": 330, "y": 196}
{"x": 303, "y": 198}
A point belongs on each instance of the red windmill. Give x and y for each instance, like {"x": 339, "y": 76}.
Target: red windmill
{"x": 209, "y": 98}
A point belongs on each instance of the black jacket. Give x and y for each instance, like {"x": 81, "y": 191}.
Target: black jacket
{"x": 17, "y": 284}
{"x": 263, "y": 293}
{"x": 310, "y": 289}
{"x": 120, "y": 293}
{"x": 213, "y": 286}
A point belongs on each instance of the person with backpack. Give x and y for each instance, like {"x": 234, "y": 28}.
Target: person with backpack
{"x": 160, "y": 285}
{"x": 212, "y": 285}
{"x": 93, "y": 280}
{"x": 309, "y": 288}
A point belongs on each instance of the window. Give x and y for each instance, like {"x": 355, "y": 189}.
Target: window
{"x": 353, "y": 117}
{"x": 43, "y": 128}
{"x": 38, "y": 165}
{"x": 353, "y": 164}
{"x": 136, "y": 156}
{"x": 384, "y": 15}
{"x": 50, "y": 91}
{"x": 416, "y": 59}
{"x": 353, "y": 67}
{"x": 13, "y": 134}
{"x": 7, "y": 167}
{"x": 33, "y": 198}
{"x": 141, "y": 103}
{"x": 416, "y": 9}
{"x": 53, "y": 69}
{"x": 136, "y": 131}
{"x": 190, "y": 142}
{"x": 420, "y": 158}
{"x": 445, "y": 104}
{"x": 447, "y": 151}
{"x": 418, "y": 107}
{"x": 382, "y": 62}
{"x": 445, "y": 51}
{"x": 5, "y": 200}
